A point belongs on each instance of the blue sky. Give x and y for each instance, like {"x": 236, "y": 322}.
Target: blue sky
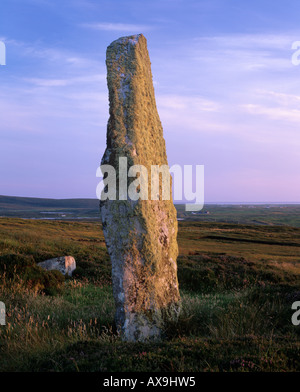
{"x": 227, "y": 92}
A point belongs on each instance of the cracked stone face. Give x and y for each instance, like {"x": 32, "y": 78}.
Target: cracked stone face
{"x": 141, "y": 235}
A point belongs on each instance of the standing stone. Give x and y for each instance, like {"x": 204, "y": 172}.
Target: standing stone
{"x": 141, "y": 235}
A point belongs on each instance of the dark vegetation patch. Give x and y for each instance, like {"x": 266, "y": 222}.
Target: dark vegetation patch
{"x": 236, "y": 301}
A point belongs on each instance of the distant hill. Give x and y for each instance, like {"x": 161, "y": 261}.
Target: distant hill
{"x": 32, "y": 207}
{"x": 29, "y": 203}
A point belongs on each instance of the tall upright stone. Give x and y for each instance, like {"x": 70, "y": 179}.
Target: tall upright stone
{"x": 141, "y": 235}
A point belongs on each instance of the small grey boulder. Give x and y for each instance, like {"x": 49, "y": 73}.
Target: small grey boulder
{"x": 65, "y": 264}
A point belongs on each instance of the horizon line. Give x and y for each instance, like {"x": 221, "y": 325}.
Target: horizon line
{"x": 175, "y": 202}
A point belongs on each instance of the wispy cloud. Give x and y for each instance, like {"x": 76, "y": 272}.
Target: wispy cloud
{"x": 57, "y": 55}
{"x": 245, "y": 52}
{"x": 246, "y": 41}
{"x": 281, "y": 98}
{"x": 274, "y": 105}
{"x": 44, "y": 82}
{"x": 187, "y": 103}
{"x": 274, "y": 113}
{"x": 189, "y": 112}
{"x": 126, "y": 27}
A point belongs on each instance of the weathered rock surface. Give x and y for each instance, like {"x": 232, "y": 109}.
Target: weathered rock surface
{"x": 141, "y": 235}
{"x": 65, "y": 264}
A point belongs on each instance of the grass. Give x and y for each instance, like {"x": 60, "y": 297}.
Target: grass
{"x": 258, "y": 214}
{"x": 237, "y": 285}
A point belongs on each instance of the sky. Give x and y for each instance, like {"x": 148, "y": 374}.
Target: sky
{"x": 227, "y": 92}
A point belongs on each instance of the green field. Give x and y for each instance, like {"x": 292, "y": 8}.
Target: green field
{"x": 258, "y": 214}
{"x": 88, "y": 210}
{"x": 237, "y": 282}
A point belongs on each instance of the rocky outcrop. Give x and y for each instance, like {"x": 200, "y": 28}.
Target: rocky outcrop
{"x": 141, "y": 235}
{"x": 65, "y": 264}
